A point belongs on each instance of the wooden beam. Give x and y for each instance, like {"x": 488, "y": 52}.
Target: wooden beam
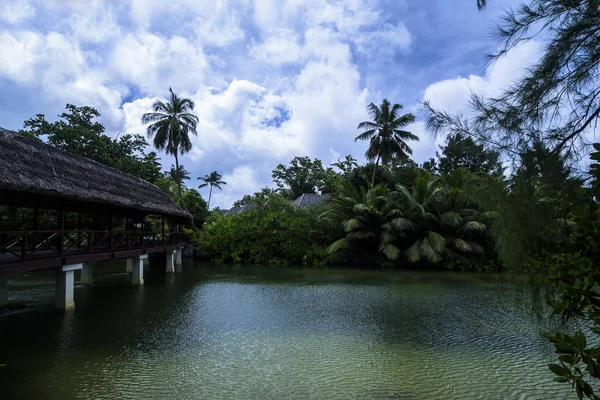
{"x": 61, "y": 228}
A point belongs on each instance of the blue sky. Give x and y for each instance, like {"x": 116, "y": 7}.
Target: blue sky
{"x": 272, "y": 79}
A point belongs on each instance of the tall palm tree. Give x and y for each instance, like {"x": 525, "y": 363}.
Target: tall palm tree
{"x": 171, "y": 124}
{"x": 178, "y": 174}
{"x": 388, "y": 140}
{"x": 213, "y": 179}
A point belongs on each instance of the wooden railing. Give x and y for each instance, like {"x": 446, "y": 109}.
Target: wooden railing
{"x": 22, "y": 246}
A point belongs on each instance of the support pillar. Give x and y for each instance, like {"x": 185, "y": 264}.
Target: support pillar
{"x": 179, "y": 256}
{"x": 137, "y": 273}
{"x": 170, "y": 262}
{"x": 146, "y": 263}
{"x": 65, "y": 287}
{"x": 129, "y": 266}
{"x": 87, "y": 274}
{"x": 3, "y": 290}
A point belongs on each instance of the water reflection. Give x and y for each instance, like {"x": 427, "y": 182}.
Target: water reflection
{"x": 252, "y": 333}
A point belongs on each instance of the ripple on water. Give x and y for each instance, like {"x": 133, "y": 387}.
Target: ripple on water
{"x": 307, "y": 337}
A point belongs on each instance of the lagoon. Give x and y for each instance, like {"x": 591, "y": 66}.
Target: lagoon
{"x": 216, "y": 332}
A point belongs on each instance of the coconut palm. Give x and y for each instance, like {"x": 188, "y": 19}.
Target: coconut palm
{"x": 171, "y": 124}
{"x": 178, "y": 174}
{"x": 436, "y": 225}
{"x": 212, "y": 180}
{"x": 387, "y": 139}
{"x": 370, "y": 219}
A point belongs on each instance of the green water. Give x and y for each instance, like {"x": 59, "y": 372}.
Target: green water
{"x": 218, "y": 333}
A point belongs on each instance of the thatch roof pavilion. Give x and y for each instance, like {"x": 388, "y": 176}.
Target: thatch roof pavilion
{"x": 38, "y": 176}
{"x": 34, "y": 174}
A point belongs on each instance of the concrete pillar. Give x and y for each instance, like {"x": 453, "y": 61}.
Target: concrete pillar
{"x": 65, "y": 287}
{"x": 170, "y": 262}
{"x": 87, "y": 274}
{"x": 178, "y": 256}
{"x": 129, "y": 266}
{"x": 3, "y": 290}
{"x": 137, "y": 274}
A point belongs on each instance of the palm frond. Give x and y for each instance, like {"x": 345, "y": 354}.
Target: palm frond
{"x": 390, "y": 251}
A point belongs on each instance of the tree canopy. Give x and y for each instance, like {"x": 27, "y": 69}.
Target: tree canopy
{"x": 78, "y": 132}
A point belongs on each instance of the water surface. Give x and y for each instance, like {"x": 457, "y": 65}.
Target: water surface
{"x": 222, "y": 333}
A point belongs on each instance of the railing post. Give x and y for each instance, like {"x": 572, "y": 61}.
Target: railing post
{"x": 35, "y": 227}
{"x": 110, "y": 231}
{"x": 24, "y": 246}
{"x": 61, "y": 226}
{"x": 163, "y": 230}
{"x": 79, "y": 230}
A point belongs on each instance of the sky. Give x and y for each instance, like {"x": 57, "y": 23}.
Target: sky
{"x": 271, "y": 79}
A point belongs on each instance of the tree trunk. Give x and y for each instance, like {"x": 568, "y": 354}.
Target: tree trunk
{"x": 375, "y": 170}
{"x": 209, "y": 196}
{"x": 181, "y": 191}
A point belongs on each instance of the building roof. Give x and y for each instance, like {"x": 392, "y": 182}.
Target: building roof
{"x": 308, "y": 199}
{"x": 32, "y": 172}
{"x": 238, "y": 210}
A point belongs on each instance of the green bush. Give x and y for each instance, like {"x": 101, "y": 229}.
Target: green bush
{"x": 263, "y": 236}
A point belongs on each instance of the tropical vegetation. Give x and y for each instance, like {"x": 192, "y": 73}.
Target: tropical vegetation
{"x": 213, "y": 180}
{"x": 170, "y": 125}
{"x": 514, "y": 187}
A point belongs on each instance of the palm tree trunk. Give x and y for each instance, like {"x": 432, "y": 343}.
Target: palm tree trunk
{"x": 209, "y": 196}
{"x": 375, "y": 170}
{"x": 181, "y": 191}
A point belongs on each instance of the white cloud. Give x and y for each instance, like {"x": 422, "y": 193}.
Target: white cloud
{"x": 153, "y": 63}
{"x": 271, "y": 79}
{"x": 28, "y": 57}
{"x": 93, "y": 21}
{"x": 280, "y": 47}
{"x": 452, "y": 94}
{"x": 16, "y": 11}
{"x": 244, "y": 179}
{"x": 386, "y": 41}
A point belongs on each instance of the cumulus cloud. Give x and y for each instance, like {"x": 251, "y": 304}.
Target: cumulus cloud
{"x": 13, "y": 12}
{"x": 452, "y": 94}
{"x": 152, "y": 63}
{"x": 271, "y": 79}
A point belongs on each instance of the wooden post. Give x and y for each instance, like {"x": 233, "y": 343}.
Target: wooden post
{"x": 61, "y": 227}
{"x": 163, "y": 230}
{"x": 110, "y": 231}
{"x": 35, "y": 227}
{"x": 79, "y": 229}
{"x": 24, "y": 246}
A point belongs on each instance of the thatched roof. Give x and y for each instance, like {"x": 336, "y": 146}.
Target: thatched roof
{"x": 33, "y": 172}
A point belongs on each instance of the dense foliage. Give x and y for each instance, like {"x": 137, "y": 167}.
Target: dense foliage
{"x": 276, "y": 233}
{"x": 547, "y": 216}
{"x": 78, "y": 132}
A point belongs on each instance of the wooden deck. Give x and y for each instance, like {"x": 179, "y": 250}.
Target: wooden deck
{"x": 22, "y": 251}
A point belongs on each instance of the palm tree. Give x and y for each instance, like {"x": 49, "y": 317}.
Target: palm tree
{"x": 171, "y": 124}
{"x": 213, "y": 179}
{"x": 346, "y": 165}
{"x": 438, "y": 224}
{"x": 388, "y": 141}
{"x": 178, "y": 174}
{"x": 370, "y": 219}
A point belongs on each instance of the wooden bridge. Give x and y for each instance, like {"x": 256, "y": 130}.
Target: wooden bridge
{"x": 64, "y": 212}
